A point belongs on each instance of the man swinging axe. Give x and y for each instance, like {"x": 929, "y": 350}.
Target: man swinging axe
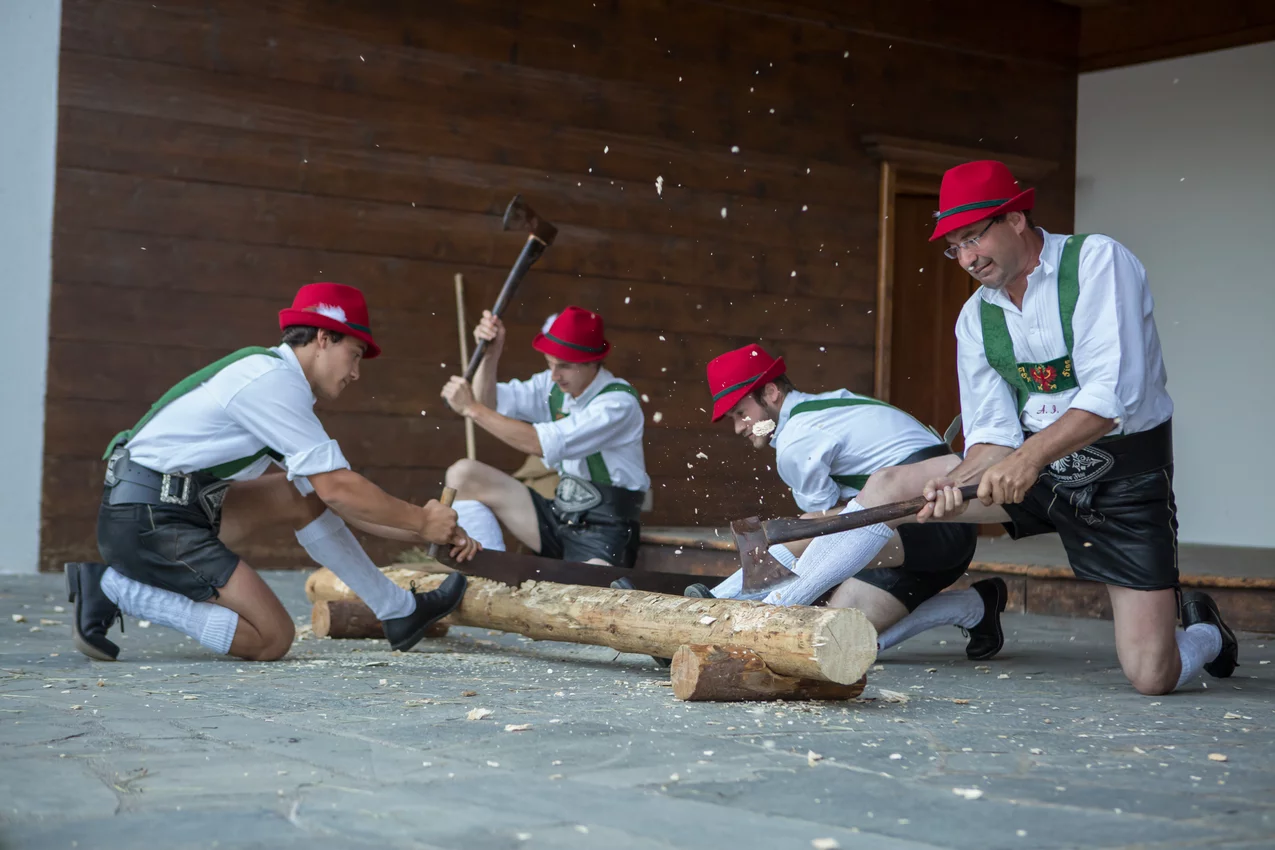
{"x": 188, "y": 483}
{"x": 827, "y": 445}
{"x": 584, "y": 421}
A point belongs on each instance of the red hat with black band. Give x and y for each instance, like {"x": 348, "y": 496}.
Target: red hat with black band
{"x": 574, "y": 335}
{"x": 735, "y": 374}
{"x": 975, "y": 191}
{"x": 334, "y": 307}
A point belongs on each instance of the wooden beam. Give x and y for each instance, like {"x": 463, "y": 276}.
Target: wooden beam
{"x": 733, "y": 673}
{"x": 933, "y": 158}
{"x": 351, "y": 619}
{"x": 1148, "y": 30}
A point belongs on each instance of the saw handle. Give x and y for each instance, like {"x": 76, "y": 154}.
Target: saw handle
{"x": 788, "y": 530}
{"x": 531, "y": 251}
{"x": 449, "y": 496}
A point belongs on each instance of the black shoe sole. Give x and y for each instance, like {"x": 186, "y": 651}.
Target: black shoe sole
{"x": 416, "y": 636}
{"x": 1002, "y": 597}
{"x": 73, "y": 596}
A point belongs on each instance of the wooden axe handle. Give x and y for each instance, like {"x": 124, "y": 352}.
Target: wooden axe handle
{"x": 531, "y": 251}
{"x": 449, "y": 496}
{"x": 788, "y": 530}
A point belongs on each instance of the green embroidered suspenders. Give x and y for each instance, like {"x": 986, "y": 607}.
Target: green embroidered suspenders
{"x": 598, "y": 472}
{"x": 190, "y": 382}
{"x": 855, "y": 481}
{"x": 1026, "y": 378}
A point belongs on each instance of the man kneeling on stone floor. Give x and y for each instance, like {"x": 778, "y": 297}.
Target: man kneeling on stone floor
{"x": 585, "y": 422}
{"x": 827, "y": 445}
{"x": 187, "y": 484}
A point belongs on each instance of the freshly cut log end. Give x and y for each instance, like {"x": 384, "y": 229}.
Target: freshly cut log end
{"x": 351, "y": 619}
{"x": 714, "y": 673}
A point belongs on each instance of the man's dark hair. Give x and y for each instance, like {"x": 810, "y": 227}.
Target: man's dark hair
{"x": 1027, "y": 214}
{"x": 297, "y": 336}
{"x": 782, "y": 382}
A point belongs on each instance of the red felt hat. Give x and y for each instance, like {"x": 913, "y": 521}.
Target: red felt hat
{"x": 575, "y": 336}
{"x": 733, "y": 375}
{"x": 334, "y": 307}
{"x": 977, "y": 190}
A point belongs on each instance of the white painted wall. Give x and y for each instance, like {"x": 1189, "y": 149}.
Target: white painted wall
{"x": 29, "y": 32}
{"x": 1176, "y": 159}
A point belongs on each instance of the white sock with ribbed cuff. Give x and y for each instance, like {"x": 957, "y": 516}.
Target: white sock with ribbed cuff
{"x": 212, "y": 625}
{"x": 331, "y": 544}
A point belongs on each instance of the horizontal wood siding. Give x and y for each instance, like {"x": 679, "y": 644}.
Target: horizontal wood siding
{"x": 212, "y": 157}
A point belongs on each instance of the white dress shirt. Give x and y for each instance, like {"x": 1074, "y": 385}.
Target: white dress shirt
{"x": 814, "y": 445}
{"x": 611, "y": 423}
{"x": 1115, "y": 348}
{"x": 254, "y": 403}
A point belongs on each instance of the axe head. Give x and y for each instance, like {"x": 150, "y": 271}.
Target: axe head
{"x": 519, "y": 216}
{"x": 761, "y": 570}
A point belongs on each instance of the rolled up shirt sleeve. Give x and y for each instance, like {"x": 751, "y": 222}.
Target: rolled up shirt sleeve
{"x": 608, "y": 420}
{"x": 989, "y": 407}
{"x": 805, "y": 465}
{"x": 527, "y": 401}
{"x": 1108, "y": 352}
{"x": 278, "y": 409}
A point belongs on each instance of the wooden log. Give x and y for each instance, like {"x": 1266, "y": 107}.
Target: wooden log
{"x": 827, "y": 644}
{"x": 323, "y": 585}
{"x": 351, "y": 619}
{"x": 714, "y": 673}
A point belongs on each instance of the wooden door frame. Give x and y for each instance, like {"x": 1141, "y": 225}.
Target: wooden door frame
{"x": 914, "y": 166}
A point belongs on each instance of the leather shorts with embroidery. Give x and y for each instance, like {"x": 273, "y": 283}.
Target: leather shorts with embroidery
{"x": 1121, "y": 531}
{"x": 600, "y": 532}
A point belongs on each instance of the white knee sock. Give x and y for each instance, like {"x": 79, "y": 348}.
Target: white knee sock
{"x": 830, "y": 560}
{"x": 1197, "y": 645}
{"x": 732, "y": 587}
{"x": 480, "y": 524}
{"x": 211, "y": 625}
{"x": 332, "y": 545}
{"x": 956, "y": 608}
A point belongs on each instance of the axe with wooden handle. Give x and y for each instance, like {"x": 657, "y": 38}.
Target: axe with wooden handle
{"x": 753, "y": 538}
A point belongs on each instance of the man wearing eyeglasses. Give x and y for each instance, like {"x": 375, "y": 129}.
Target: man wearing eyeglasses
{"x": 1067, "y": 421}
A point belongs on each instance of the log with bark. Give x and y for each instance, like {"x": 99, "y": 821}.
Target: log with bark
{"x": 732, "y": 673}
{"x": 827, "y": 644}
{"x": 351, "y": 619}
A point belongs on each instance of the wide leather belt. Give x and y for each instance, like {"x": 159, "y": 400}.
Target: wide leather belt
{"x": 1117, "y": 457}
{"x": 577, "y": 500}
{"x": 129, "y": 483}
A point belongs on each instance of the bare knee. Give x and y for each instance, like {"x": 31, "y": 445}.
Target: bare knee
{"x": 1152, "y": 683}
{"x": 275, "y": 641}
{"x": 884, "y": 485}
{"x": 463, "y": 475}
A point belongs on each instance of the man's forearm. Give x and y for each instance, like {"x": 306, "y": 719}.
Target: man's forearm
{"x": 361, "y": 503}
{"x": 484, "y": 383}
{"x": 1074, "y": 430}
{"x": 521, "y": 435}
{"x": 979, "y": 458}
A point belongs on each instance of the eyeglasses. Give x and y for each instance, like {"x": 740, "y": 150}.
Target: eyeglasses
{"x": 954, "y": 251}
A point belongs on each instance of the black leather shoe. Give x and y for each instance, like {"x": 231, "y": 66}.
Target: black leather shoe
{"x": 1199, "y": 607}
{"x": 404, "y": 633}
{"x": 699, "y": 591}
{"x": 986, "y": 639}
{"x": 94, "y": 612}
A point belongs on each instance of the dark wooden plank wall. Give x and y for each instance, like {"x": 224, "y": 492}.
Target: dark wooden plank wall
{"x": 213, "y": 156}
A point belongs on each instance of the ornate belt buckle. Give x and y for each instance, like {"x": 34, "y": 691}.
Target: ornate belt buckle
{"x": 165, "y": 490}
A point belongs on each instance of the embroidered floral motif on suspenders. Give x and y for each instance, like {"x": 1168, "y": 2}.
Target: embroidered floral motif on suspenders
{"x": 598, "y": 472}
{"x": 1056, "y": 375}
{"x": 185, "y": 385}
{"x": 855, "y": 481}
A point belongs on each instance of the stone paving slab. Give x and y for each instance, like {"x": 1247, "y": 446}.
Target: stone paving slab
{"x": 345, "y": 743}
